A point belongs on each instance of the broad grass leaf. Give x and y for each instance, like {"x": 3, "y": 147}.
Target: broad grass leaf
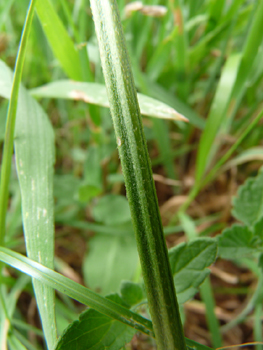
{"x": 110, "y": 260}
{"x": 95, "y": 93}
{"x": 96, "y": 331}
{"x": 235, "y": 242}
{"x": 248, "y": 204}
{"x": 59, "y": 40}
{"x": 189, "y": 262}
{"x": 35, "y": 155}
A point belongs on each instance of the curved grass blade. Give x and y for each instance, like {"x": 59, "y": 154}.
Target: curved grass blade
{"x": 75, "y": 290}
{"x": 96, "y": 94}
{"x": 82, "y": 294}
{"x": 138, "y": 176}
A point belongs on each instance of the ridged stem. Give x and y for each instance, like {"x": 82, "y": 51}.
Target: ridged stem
{"x": 137, "y": 173}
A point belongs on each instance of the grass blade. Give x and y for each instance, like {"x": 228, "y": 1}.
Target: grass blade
{"x": 138, "y": 177}
{"x": 34, "y": 149}
{"x": 212, "y": 321}
{"x": 217, "y": 113}
{"x": 75, "y": 290}
{"x": 82, "y": 294}
{"x": 96, "y": 94}
{"x": 59, "y": 39}
{"x": 35, "y": 155}
{"x": 11, "y": 119}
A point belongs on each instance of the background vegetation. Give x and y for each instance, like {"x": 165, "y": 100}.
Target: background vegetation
{"x": 202, "y": 58}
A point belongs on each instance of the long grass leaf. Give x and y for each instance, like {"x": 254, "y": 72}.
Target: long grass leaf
{"x": 249, "y": 54}
{"x": 96, "y": 94}
{"x": 11, "y": 120}
{"x": 34, "y": 149}
{"x": 217, "y": 113}
{"x": 59, "y": 40}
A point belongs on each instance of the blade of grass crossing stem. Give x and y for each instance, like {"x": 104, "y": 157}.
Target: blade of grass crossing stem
{"x": 217, "y": 114}
{"x": 138, "y": 177}
{"x": 212, "y": 321}
{"x": 81, "y": 293}
{"x": 75, "y": 291}
{"x": 59, "y": 39}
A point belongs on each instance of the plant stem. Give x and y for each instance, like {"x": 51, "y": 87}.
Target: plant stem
{"x": 138, "y": 177}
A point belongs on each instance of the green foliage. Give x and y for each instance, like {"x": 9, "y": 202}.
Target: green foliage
{"x": 248, "y": 205}
{"x": 94, "y": 93}
{"x": 110, "y": 260}
{"x": 189, "y": 264}
{"x": 202, "y": 59}
{"x": 96, "y": 331}
{"x": 239, "y": 241}
{"x": 131, "y": 293}
{"x": 111, "y": 210}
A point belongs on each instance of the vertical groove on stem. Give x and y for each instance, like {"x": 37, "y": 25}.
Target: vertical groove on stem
{"x": 138, "y": 177}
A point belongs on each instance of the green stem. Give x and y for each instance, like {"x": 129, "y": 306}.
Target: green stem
{"x": 138, "y": 177}
{"x": 11, "y": 119}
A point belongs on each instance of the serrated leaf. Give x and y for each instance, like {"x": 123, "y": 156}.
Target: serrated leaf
{"x": 248, "y": 205}
{"x": 94, "y": 93}
{"x": 132, "y": 293}
{"x": 189, "y": 262}
{"x": 110, "y": 260}
{"x": 235, "y": 242}
{"x": 96, "y": 331}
